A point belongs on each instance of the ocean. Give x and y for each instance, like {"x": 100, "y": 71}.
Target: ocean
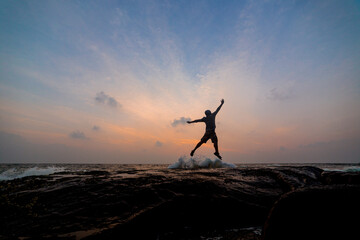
{"x": 14, "y": 171}
{"x": 189, "y": 199}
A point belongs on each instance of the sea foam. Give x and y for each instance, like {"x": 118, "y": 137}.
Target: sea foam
{"x": 199, "y": 162}
{"x": 14, "y": 173}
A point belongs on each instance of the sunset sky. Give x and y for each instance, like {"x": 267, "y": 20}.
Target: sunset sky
{"x": 115, "y": 81}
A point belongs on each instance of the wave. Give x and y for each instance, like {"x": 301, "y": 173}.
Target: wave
{"x": 14, "y": 173}
{"x": 343, "y": 169}
{"x": 199, "y": 162}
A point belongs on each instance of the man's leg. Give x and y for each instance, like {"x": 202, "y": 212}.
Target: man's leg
{"x": 216, "y": 147}
{"x": 216, "y": 153}
{"x": 196, "y": 147}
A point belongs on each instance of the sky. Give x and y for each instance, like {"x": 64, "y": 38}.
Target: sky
{"x": 116, "y": 81}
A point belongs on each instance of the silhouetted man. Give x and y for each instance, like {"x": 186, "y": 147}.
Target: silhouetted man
{"x": 209, "y": 120}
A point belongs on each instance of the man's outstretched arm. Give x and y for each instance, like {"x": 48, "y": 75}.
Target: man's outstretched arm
{"x": 195, "y": 121}
{"x": 218, "y": 109}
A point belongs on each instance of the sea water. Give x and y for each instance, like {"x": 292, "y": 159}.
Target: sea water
{"x": 16, "y": 171}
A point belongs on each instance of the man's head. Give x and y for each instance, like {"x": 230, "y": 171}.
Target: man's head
{"x": 207, "y": 112}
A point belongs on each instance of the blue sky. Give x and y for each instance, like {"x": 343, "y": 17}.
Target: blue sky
{"x": 288, "y": 71}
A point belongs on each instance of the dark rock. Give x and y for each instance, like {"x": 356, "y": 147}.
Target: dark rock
{"x": 341, "y": 177}
{"x": 153, "y": 202}
{"x": 327, "y": 212}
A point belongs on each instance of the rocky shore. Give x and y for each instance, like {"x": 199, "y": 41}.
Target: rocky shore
{"x": 159, "y": 203}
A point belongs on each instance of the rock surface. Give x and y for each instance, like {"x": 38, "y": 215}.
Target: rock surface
{"x": 158, "y": 203}
{"x": 327, "y": 212}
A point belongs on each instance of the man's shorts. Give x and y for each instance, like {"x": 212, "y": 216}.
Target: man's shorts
{"x": 209, "y": 135}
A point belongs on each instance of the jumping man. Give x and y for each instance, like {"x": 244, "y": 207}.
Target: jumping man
{"x": 209, "y": 120}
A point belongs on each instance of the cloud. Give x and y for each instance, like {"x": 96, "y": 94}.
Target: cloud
{"x": 180, "y": 121}
{"x": 112, "y": 102}
{"x": 282, "y": 93}
{"x": 103, "y": 98}
{"x": 95, "y": 128}
{"x": 279, "y": 95}
{"x": 78, "y": 135}
{"x": 158, "y": 144}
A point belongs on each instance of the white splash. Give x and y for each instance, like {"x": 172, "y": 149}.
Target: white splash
{"x": 14, "y": 173}
{"x": 199, "y": 162}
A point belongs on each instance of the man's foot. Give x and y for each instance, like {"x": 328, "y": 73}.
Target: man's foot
{"x": 192, "y": 153}
{"x": 218, "y": 155}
